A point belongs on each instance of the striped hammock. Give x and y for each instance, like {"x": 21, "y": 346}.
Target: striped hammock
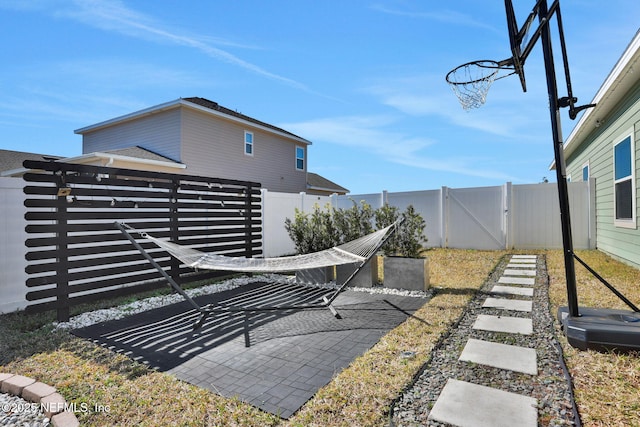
{"x": 356, "y": 251}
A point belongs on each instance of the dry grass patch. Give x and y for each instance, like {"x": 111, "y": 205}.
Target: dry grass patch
{"x": 117, "y": 391}
{"x": 606, "y": 384}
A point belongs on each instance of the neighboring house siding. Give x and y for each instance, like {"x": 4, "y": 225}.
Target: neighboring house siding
{"x": 159, "y": 132}
{"x": 620, "y": 242}
{"x": 216, "y": 148}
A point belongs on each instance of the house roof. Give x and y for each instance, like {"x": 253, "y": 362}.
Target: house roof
{"x": 139, "y": 153}
{"x": 11, "y": 160}
{"x": 201, "y": 104}
{"x": 620, "y": 80}
{"x": 11, "y": 164}
{"x": 317, "y": 182}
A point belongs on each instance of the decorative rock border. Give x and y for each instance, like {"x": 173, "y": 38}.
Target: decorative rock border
{"x": 52, "y": 403}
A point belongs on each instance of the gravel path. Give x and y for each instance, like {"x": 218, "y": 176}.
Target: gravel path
{"x": 550, "y": 387}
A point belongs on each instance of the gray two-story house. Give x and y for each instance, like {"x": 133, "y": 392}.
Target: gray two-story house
{"x": 211, "y": 140}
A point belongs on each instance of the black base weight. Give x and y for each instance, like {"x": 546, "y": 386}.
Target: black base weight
{"x": 602, "y": 329}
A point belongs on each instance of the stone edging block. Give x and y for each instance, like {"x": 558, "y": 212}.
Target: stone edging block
{"x": 37, "y": 392}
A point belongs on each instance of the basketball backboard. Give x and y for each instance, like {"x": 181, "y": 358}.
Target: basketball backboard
{"x": 518, "y": 39}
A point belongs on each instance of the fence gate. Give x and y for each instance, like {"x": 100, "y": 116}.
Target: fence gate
{"x": 76, "y": 254}
{"x": 477, "y": 215}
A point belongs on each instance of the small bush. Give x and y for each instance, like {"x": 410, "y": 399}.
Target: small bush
{"x": 354, "y": 222}
{"x": 311, "y": 232}
{"x": 329, "y": 227}
{"x": 408, "y": 239}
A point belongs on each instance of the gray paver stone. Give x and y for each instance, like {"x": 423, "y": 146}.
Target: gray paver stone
{"x": 512, "y": 290}
{"x": 508, "y": 304}
{"x": 520, "y": 265}
{"x": 502, "y": 356}
{"x": 517, "y": 280}
{"x": 470, "y": 405}
{"x": 519, "y": 272}
{"x": 512, "y": 325}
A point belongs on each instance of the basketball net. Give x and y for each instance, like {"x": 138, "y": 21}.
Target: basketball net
{"x": 471, "y": 82}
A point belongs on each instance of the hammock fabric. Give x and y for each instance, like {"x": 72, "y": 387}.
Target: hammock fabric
{"x": 355, "y": 251}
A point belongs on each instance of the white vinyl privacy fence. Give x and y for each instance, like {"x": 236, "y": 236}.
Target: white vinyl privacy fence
{"x": 499, "y": 217}
{"x": 13, "y": 277}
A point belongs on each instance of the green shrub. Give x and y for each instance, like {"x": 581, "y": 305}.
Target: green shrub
{"x": 311, "y": 232}
{"x": 329, "y": 227}
{"x": 354, "y": 222}
{"x": 408, "y": 238}
{"x": 411, "y": 233}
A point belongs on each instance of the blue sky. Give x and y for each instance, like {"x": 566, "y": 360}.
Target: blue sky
{"x": 363, "y": 80}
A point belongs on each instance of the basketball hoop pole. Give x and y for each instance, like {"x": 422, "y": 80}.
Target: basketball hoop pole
{"x": 561, "y": 174}
{"x": 589, "y": 327}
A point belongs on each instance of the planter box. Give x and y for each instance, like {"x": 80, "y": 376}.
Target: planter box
{"x": 315, "y": 276}
{"x": 406, "y": 273}
{"x": 366, "y": 277}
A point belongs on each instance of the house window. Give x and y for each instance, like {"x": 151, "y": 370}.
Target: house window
{"x": 585, "y": 172}
{"x": 624, "y": 188}
{"x": 300, "y": 158}
{"x": 248, "y": 143}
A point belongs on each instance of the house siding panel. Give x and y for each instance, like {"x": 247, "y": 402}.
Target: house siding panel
{"x": 621, "y": 243}
{"x": 215, "y": 147}
{"x": 159, "y": 132}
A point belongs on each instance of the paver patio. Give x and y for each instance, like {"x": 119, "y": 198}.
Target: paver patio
{"x": 292, "y": 353}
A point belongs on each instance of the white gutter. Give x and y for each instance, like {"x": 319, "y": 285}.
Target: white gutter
{"x": 86, "y": 158}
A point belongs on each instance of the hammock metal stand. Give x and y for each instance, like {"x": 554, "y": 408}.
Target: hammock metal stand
{"x": 207, "y": 310}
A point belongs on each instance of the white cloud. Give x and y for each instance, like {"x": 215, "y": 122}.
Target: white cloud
{"x": 82, "y": 91}
{"x": 115, "y": 16}
{"x": 444, "y": 16}
{"x": 427, "y": 96}
{"x": 371, "y": 134}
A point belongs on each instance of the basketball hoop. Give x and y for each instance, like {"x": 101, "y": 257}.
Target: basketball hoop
{"x": 471, "y": 82}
